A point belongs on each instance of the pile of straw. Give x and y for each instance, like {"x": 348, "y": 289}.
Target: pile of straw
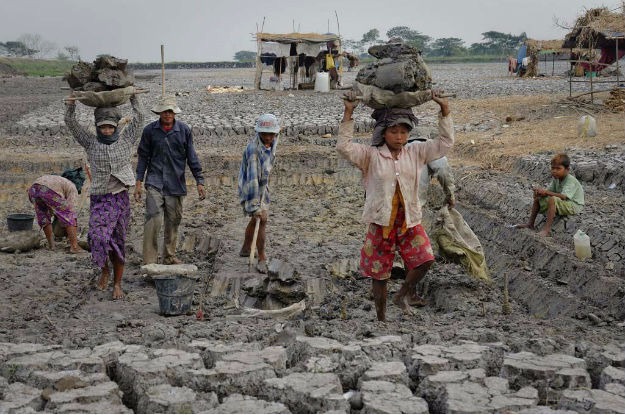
{"x": 590, "y": 26}
{"x": 616, "y": 100}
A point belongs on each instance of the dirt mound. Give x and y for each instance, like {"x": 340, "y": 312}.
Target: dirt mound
{"x": 7, "y": 70}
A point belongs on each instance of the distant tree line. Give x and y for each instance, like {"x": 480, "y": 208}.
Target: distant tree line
{"x": 34, "y": 46}
{"x": 493, "y": 43}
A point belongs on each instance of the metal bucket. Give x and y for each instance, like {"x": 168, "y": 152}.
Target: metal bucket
{"x": 20, "y": 222}
{"x": 175, "y": 293}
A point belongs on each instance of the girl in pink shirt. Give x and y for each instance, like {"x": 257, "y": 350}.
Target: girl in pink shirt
{"x": 392, "y": 208}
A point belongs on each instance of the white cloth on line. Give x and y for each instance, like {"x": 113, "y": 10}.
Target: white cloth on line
{"x": 279, "y": 49}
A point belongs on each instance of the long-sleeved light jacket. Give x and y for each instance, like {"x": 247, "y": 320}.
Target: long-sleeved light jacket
{"x": 381, "y": 172}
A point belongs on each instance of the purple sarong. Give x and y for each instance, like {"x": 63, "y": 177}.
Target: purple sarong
{"x": 47, "y": 203}
{"x": 108, "y": 224}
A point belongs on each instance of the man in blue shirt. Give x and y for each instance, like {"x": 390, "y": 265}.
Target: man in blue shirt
{"x": 166, "y": 147}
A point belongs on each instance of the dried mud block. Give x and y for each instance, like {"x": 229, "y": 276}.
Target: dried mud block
{"x": 177, "y": 269}
{"x": 79, "y": 75}
{"x": 115, "y": 78}
{"x": 104, "y": 74}
{"x": 21, "y": 241}
{"x": 111, "y": 62}
{"x": 400, "y": 68}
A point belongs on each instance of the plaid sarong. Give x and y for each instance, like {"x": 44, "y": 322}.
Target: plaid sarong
{"x": 108, "y": 223}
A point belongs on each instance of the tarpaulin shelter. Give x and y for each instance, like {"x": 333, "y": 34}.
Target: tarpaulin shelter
{"x": 535, "y": 49}
{"x": 291, "y": 50}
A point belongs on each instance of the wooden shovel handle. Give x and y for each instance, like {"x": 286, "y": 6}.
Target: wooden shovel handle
{"x": 253, "y": 247}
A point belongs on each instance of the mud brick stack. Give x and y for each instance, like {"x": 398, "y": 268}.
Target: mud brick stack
{"x": 399, "y": 78}
{"x": 105, "y": 74}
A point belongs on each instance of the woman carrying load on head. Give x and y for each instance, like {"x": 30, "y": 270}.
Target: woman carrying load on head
{"x": 391, "y": 178}
{"x": 108, "y": 152}
{"x": 55, "y": 197}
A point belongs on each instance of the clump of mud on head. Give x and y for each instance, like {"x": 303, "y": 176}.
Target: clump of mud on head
{"x": 400, "y": 68}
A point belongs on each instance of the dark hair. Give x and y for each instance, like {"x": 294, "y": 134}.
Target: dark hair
{"x": 561, "y": 159}
{"x": 76, "y": 176}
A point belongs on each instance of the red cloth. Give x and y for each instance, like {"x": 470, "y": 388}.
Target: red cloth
{"x": 377, "y": 254}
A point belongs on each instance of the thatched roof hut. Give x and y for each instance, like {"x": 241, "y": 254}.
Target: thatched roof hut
{"x": 597, "y": 29}
{"x": 536, "y": 47}
{"x": 290, "y": 47}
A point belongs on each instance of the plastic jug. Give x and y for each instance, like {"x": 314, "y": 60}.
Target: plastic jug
{"x": 582, "y": 245}
{"x": 322, "y": 82}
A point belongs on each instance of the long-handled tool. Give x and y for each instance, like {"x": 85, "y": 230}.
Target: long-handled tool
{"x": 262, "y": 198}
{"x": 250, "y": 263}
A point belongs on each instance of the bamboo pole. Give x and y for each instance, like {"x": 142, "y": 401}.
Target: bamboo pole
{"x": 163, "y": 69}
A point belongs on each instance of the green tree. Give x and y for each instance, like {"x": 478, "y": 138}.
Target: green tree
{"x": 62, "y": 56}
{"x": 502, "y": 43}
{"x": 72, "y": 52}
{"x": 447, "y": 46}
{"x": 370, "y": 38}
{"x": 410, "y": 37}
{"x": 37, "y": 46}
{"x": 244, "y": 56}
{"x": 18, "y": 49}
{"x": 354, "y": 46}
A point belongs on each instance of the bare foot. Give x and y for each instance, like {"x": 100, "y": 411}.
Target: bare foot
{"x": 118, "y": 294}
{"x": 262, "y": 267}
{"x": 524, "y": 226}
{"x": 77, "y": 251}
{"x": 416, "y": 300}
{"x": 103, "y": 282}
{"x": 543, "y": 233}
{"x": 402, "y": 302}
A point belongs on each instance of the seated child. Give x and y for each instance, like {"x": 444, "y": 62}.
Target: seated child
{"x": 563, "y": 197}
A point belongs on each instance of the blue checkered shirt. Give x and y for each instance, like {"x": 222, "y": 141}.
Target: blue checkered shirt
{"x": 256, "y": 165}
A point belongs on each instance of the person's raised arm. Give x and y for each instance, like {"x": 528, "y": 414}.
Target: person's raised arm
{"x": 80, "y": 133}
{"x": 134, "y": 128}
{"x": 143, "y": 158}
{"x": 439, "y": 147}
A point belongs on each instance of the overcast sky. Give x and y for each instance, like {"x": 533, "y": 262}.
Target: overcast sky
{"x": 202, "y": 30}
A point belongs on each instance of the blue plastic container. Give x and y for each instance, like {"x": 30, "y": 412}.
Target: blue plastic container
{"x": 175, "y": 293}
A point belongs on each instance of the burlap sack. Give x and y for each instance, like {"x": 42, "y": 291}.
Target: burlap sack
{"x": 112, "y": 98}
{"x": 378, "y": 98}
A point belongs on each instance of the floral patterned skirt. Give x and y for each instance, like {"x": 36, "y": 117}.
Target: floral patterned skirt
{"x": 47, "y": 203}
{"x": 377, "y": 254}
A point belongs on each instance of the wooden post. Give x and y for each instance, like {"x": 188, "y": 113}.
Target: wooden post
{"x": 259, "y": 65}
{"x": 618, "y": 81}
{"x": 163, "y": 69}
{"x": 295, "y": 70}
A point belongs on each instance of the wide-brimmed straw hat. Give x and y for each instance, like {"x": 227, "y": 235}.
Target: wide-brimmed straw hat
{"x": 165, "y": 104}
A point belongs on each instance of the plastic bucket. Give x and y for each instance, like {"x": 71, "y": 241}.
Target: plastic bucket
{"x": 20, "y": 221}
{"x": 322, "y": 82}
{"x": 175, "y": 293}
